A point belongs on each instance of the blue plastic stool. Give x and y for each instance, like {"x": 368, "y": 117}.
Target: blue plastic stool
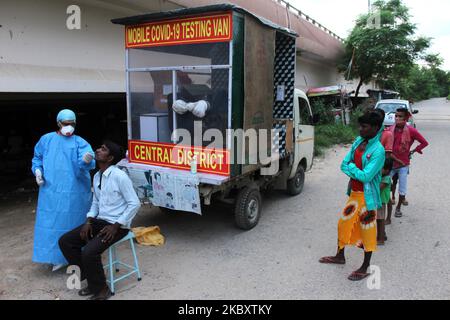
{"x": 113, "y": 262}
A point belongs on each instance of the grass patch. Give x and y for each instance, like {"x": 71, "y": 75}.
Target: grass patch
{"x": 330, "y": 134}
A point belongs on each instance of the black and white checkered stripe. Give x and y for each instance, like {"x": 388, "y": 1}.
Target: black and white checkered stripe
{"x": 279, "y": 139}
{"x": 284, "y": 75}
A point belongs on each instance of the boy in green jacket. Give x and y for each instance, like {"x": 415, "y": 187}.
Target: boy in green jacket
{"x": 357, "y": 223}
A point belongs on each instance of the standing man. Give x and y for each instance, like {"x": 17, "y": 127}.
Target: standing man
{"x": 363, "y": 164}
{"x": 114, "y": 206}
{"x": 404, "y": 138}
{"x": 61, "y": 164}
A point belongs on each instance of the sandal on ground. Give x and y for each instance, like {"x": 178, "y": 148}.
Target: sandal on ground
{"x": 331, "y": 260}
{"x": 103, "y": 295}
{"x": 387, "y": 223}
{"x": 57, "y": 267}
{"x": 85, "y": 292}
{"x": 398, "y": 214}
{"x": 358, "y": 276}
{"x": 405, "y": 203}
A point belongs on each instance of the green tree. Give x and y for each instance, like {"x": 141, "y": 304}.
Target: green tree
{"x": 382, "y": 45}
{"x": 434, "y": 60}
{"x": 441, "y": 77}
{"x": 423, "y": 82}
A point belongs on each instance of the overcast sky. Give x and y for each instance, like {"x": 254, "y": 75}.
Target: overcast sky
{"x": 431, "y": 16}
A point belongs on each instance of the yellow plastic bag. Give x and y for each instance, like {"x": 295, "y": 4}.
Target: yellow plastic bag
{"x": 148, "y": 236}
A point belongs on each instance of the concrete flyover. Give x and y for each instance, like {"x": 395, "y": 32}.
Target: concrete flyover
{"x": 44, "y": 65}
{"x": 318, "y": 48}
{"x": 42, "y": 55}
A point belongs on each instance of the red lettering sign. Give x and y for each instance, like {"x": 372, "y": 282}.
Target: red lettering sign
{"x": 213, "y": 28}
{"x": 214, "y": 161}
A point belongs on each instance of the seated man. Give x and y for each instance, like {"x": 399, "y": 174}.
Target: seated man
{"x": 114, "y": 206}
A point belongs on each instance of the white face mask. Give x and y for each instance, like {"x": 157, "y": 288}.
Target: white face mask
{"x": 67, "y": 130}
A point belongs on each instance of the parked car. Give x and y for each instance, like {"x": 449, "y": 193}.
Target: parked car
{"x": 390, "y": 106}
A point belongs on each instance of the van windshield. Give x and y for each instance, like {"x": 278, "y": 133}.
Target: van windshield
{"x": 391, "y": 107}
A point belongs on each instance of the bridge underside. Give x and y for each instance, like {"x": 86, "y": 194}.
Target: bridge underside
{"x": 44, "y": 67}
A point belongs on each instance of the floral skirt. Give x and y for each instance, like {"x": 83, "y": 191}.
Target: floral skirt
{"x": 356, "y": 225}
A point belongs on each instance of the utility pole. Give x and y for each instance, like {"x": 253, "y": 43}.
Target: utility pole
{"x": 370, "y": 6}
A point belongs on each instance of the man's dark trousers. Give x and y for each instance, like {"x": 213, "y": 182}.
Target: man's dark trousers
{"x": 88, "y": 256}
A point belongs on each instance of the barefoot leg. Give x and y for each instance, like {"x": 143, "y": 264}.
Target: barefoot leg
{"x": 339, "y": 258}
{"x": 389, "y": 214}
{"x": 361, "y": 273}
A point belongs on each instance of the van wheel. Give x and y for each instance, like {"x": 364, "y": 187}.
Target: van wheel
{"x": 248, "y": 208}
{"x": 295, "y": 185}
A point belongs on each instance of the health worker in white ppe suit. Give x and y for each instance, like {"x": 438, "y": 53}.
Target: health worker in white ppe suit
{"x": 61, "y": 164}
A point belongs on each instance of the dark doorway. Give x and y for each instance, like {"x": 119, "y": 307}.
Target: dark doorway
{"x": 25, "y": 117}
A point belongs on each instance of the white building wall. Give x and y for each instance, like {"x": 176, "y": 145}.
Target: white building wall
{"x": 314, "y": 74}
{"x": 310, "y": 74}
{"x": 38, "y": 53}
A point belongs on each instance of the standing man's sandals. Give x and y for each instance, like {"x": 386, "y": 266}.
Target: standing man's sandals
{"x": 85, "y": 292}
{"x": 103, "y": 295}
{"x": 331, "y": 260}
{"x": 358, "y": 276}
{"x": 405, "y": 203}
{"x": 398, "y": 214}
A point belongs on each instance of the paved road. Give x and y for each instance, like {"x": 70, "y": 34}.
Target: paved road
{"x": 208, "y": 258}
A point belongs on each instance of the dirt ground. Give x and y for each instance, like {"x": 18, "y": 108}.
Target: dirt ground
{"x": 206, "y": 257}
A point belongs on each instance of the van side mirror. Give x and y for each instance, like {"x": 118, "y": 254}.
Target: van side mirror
{"x": 415, "y": 111}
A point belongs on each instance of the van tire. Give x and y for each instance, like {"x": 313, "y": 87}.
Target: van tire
{"x": 295, "y": 185}
{"x": 248, "y": 208}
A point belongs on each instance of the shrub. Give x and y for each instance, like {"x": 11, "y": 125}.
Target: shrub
{"x": 323, "y": 110}
{"x": 331, "y": 134}
{"x": 356, "y": 113}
